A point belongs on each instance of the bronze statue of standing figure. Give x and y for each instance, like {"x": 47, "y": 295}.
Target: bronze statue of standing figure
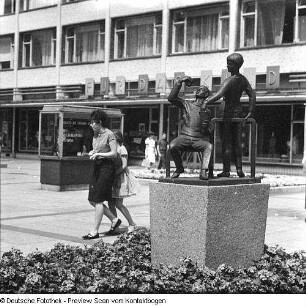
{"x": 231, "y": 90}
{"x": 191, "y": 137}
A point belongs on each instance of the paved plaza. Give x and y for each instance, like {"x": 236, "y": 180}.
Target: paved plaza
{"x": 32, "y": 218}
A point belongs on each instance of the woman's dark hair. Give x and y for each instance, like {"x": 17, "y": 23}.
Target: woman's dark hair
{"x": 99, "y": 116}
{"x": 119, "y": 137}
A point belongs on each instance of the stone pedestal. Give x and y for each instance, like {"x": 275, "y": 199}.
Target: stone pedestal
{"x": 210, "y": 224}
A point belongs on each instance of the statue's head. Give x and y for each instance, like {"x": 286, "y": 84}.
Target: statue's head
{"x": 236, "y": 59}
{"x": 202, "y": 92}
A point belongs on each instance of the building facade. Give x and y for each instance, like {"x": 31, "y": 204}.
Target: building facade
{"x": 127, "y": 54}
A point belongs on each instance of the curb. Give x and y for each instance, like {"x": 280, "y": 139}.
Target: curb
{"x": 287, "y": 189}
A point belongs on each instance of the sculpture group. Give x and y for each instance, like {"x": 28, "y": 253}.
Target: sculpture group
{"x": 196, "y": 118}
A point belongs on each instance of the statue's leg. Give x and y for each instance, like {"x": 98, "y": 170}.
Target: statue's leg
{"x": 201, "y": 145}
{"x": 225, "y": 135}
{"x": 178, "y": 144}
{"x": 237, "y": 148}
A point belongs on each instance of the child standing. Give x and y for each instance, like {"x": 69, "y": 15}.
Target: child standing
{"x": 125, "y": 184}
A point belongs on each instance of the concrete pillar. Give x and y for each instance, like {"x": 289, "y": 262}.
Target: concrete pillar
{"x": 16, "y": 46}
{"x": 161, "y": 120}
{"x": 233, "y": 25}
{"x": 165, "y": 37}
{"x": 58, "y": 56}
{"x": 107, "y": 39}
{"x": 17, "y": 95}
{"x": 163, "y": 63}
{"x": 13, "y": 132}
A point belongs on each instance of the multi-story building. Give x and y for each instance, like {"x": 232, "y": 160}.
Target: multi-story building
{"x": 127, "y": 54}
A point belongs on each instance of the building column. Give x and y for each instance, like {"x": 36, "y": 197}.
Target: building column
{"x": 107, "y": 39}
{"x": 165, "y": 36}
{"x": 13, "y": 132}
{"x": 161, "y": 120}
{"x": 233, "y": 25}
{"x": 305, "y": 133}
{"x": 163, "y": 63}
{"x": 58, "y": 56}
{"x": 16, "y": 97}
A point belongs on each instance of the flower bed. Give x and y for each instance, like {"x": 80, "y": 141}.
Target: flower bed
{"x": 125, "y": 267}
{"x": 273, "y": 180}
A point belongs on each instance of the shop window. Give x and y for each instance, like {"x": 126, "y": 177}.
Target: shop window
{"x": 38, "y": 48}
{"x": 200, "y": 30}
{"x": 77, "y": 134}
{"x": 49, "y": 134}
{"x": 26, "y": 5}
{"x": 6, "y": 119}
{"x": 7, "y": 7}
{"x": 138, "y": 37}
{"x": 273, "y": 132}
{"x": 265, "y": 23}
{"x": 297, "y": 143}
{"x": 28, "y": 130}
{"x": 6, "y": 52}
{"x": 84, "y": 43}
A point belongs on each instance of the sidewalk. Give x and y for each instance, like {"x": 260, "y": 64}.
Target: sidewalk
{"x": 32, "y": 218}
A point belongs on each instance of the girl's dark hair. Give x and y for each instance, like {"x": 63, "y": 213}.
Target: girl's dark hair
{"x": 99, "y": 116}
{"x": 119, "y": 137}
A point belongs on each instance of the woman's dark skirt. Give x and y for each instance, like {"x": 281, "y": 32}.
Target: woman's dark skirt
{"x": 101, "y": 182}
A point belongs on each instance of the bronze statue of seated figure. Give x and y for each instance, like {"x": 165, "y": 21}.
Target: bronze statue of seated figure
{"x": 191, "y": 137}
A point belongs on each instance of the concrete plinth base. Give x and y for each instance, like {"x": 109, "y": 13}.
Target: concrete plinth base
{"x": 210, "y": 224}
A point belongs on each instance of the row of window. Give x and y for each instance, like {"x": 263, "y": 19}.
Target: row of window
{"x": 263, "y": 23}
{"x": 9, "y": 6}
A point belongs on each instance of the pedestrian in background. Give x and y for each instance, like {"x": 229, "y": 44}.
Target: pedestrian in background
{"x": 150, "y": 152}
{"x": 162, "y": 146}
{"x": 100, "y": 189}
{"x": 125, "y": 184}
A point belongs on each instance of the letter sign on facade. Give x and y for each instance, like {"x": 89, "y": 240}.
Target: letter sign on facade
{"x": 160, "y": 83}
{"x": 143, "y": 84}
{"x": 89, "y": 87}
{"x": 206, "y": 78}
{"x": 272, "y": 77}
{"x": 104, "y": 86}
{"x": 250, "y": 74}
{"x": 120, "y": 85}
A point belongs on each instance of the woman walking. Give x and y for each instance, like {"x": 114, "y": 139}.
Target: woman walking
{"x": 125, "y": 184}
{"x": 150, "y": 153}
{"x": 103, "y": 154}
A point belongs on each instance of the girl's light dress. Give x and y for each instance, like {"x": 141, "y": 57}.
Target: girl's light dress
{"x": 125, "y": 183}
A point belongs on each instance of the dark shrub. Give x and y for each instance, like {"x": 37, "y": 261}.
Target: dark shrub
{"x": 125, "y": 267}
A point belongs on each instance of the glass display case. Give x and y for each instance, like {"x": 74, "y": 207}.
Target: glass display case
{"x": 65, "y": 138}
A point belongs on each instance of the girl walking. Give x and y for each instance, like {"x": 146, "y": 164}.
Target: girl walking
{"x": 125, "y": 185}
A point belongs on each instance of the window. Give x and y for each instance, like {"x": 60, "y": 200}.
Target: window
{"x": 272, "y": 22}
{"x": 6, "y": 52}
{"x": 28, "y": 130}
{"x": 26, "y": 5}
{"x": 138, "y": 37}
{"x": 7, "y": 7}
{"x": 84, "y": 43}
{"x": 38, "y": 48}
{"x": 70, "y": 1}
{"x": 200, "y": 30}
{"x": 301, "y": 20}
